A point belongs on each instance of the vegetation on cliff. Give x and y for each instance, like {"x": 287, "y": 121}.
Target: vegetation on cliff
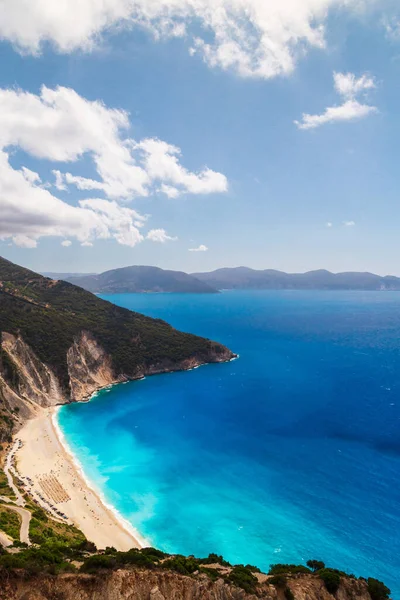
{"x": 54, "y": 557}
{"x": 50, "y": 315}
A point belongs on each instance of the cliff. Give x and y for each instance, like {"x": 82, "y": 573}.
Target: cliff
{"x": 126, "y": 584}
{"x": 60, "y": 343}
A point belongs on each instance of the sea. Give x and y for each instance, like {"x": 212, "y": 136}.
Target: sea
{"x": 289, "y": 453}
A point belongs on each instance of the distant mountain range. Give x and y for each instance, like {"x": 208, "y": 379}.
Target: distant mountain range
{"x": 142, "y": 279}
{"x": 243, "y": 278}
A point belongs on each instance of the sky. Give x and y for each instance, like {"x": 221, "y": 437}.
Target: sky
{"x": 198, "y": 134}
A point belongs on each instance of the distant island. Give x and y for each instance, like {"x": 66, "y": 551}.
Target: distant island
{"x": 244, "y": 278}
{"x": 143, "y": 279}
{"x": 139, "y": 279}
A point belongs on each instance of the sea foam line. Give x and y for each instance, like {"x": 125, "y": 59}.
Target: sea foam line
{"x": 143, "y": 543}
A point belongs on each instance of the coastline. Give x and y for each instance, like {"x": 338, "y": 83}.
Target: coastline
{"x": 46, "y": 460}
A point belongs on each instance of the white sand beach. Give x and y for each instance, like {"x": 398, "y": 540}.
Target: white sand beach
{"x": 49, "y": 470}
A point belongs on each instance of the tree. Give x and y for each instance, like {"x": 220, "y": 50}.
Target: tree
{"x": 316, "y": 565}
{"x": 377, "y": 590}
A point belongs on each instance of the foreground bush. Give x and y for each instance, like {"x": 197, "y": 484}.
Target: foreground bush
{"x": 243, "y": 577}
{"x": 330, "y": 579}
{"x": 377, "y": 589}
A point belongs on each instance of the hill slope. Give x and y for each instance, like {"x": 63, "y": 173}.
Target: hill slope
{"x": 269, "y": 279}
{"x": 60, "y": 343}
{"x": 141, "y": 279}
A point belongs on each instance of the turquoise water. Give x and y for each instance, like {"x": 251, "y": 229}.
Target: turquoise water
{"x": 289, "y": 453}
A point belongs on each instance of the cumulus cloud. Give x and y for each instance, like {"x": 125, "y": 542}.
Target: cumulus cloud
{"x": 201, "y": 248}
{"x": 61, "y": 126}
{"x": 256, "y": 38}
{"x": 66, "y": 243}
{"x": 329, "y": 224}
{"x": 349, "y": 223}
{"x": 160, "y": 235}
{"x": 348, "y": 87}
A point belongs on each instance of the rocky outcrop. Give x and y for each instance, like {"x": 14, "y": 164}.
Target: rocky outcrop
{"x": 26, "y": 384}
{"x": 35, "y": 381}
{"x": 89, "y": 367}
{"x": 164, "y": 585}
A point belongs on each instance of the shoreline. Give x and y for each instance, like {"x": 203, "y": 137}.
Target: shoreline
{"x": 54, "y": 475}
{"x": 141, "y": 541}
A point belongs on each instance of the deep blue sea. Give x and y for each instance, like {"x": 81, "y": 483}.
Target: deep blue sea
{"x": 290, "y": 452}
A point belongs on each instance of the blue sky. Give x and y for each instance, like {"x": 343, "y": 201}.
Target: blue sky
{"x": 249, "y": 184}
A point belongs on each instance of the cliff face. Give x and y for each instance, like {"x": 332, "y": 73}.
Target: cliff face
{"x": 145, "y": 585}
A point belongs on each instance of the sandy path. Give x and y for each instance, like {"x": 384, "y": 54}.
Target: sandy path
{"x": 42, "y": 456}
{"x": 25, "y": 520}
{"x": 8, "y": 468}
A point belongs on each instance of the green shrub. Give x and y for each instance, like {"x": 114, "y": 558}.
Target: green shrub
{"x": 214, "y": 559}
{"x": 153, "y": 553}
{"x": 288, "y": 569}
{"x": 330, "y": 579}
{"x": 135, "y": 557}
{"x": 377, "y": 590}
{"x": 97, "y": 562}
{"x": 278, "y": 580}
{"x": 213, "y": 574}
{"x": 316, "y": 565}
{"x": 182, "y": 564}
{"x": 253, "y": 569}
{"x": 242, "y": 577}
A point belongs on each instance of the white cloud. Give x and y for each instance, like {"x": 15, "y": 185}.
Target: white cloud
{"x": 59, "y": 183}
{"x": 161, "y": 161}
{"x": 201, "y": 248}
{"x": 169, "y": 191}
{"x": 61, "y": 126}
{"x": 349, "y": 223}
{"x": 348, "y": 111}
{"x": 66, "y": 243}
{"x": 30, "y": 176}
{"x": 24, "y": 241}
{"x": 256, "y": 38}
{"x": 328, "y": 224}
{"x": 347, "y": 86}
{"x": 160, "y": 235}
